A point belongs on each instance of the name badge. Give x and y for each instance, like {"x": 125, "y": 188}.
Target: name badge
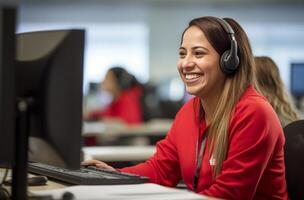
{"x": 212, "y": 161}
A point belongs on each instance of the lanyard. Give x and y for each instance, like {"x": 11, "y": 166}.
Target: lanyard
{"x": 199, "y": 158}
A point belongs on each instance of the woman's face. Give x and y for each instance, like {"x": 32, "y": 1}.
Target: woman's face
{"x": 110, "y": 83}
{"x": 198, "y": 65}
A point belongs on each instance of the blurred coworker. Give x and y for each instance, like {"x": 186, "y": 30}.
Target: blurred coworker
{"x": 272, "y": 87}
{"x": 126, "y": 92}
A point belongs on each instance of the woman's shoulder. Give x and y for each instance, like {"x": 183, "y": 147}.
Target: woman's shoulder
{"x": 255, "y": 117}
{"x": 254, "y": 108}
{"x": 189, "y": 105}
{"x": 188, "y": 109}
{"x": 252, "y": 101}
{"x": 132, "y": 92}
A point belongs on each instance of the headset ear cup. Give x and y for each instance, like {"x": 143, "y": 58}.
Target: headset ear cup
{"x": 223, "y": 63}
{"x": 229, "y": 62}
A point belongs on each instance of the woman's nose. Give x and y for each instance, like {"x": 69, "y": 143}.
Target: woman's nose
{"x": 188, "y": 63}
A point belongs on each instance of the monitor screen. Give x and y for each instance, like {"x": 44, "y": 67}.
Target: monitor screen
{"x": 7, "y": 98}
{"x": 49, "y": 74}
{"x": 296, "y": 79}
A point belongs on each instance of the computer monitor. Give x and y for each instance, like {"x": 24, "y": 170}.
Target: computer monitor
{"x": 7, "y": 96}
{"x": 41, "y": 75}
{"x": 296, "y": 79}
{"x": 49, "y": 75}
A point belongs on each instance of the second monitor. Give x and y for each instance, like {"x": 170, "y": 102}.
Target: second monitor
{"x": 49, "y": 74}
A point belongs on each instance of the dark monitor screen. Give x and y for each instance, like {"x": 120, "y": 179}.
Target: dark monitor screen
{"x": 7, "y": 98}
{"x": 49, "y": 74}
{"x": 296, "y": 79}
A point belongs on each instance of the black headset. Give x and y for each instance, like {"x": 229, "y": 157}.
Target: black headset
{"x": 229, "y": 60}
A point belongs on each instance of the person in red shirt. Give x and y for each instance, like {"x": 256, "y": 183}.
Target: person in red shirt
{"x": 227, "y": 141}
{"x": 126, "y": 92}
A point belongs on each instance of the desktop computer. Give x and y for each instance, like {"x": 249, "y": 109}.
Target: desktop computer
{"x": 49, "y": 74}
{"x": 41, "y": 77}
{"x": 41, "y": 97}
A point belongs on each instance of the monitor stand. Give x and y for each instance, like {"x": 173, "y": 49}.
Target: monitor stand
{"x": 19, "y": 184}
{"x": 19, "y": 180}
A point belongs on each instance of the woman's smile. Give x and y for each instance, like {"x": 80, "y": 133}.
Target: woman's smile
{"x": 192, "y": 78}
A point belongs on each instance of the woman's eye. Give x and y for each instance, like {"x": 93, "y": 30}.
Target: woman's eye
{"x": 182, "y": 54}
{"x": 199, "y": 54}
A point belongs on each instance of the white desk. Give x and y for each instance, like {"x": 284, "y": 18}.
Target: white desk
{"x": 105, "y": 133}
{"x": 118, "y": 153}
{"x": 146, "y": 191}
{"x": 157, "y": 127}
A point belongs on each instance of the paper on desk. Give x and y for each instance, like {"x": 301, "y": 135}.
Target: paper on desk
{"x": 147, "y": 191}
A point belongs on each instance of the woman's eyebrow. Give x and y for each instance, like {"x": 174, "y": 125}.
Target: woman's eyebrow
{"x": 194, "y": 48}
{"x": 199, "y": 47}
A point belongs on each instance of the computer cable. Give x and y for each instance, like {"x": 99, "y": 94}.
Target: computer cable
{"x": 4, "y": 194}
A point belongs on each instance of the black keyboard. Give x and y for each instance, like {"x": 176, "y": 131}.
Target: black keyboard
{"x": 85, "y": 175}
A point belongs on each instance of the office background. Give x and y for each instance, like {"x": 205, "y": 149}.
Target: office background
{"x": 145, "y": 35}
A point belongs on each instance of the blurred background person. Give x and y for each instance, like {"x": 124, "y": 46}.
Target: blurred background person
{"x": 125, "y": 93}
{"x": 272, "y": 87}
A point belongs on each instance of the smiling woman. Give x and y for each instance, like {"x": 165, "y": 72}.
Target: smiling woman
{"x": 227, "y": 141}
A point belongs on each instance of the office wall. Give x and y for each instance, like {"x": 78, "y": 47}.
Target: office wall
{"x": 276, "y": 31}
{"x": 167, "y": 20}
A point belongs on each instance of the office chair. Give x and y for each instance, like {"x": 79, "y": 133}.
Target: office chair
{"x": 150, "y": 102}
{"x": 294, "y": 159}
{"x": 155, "y": 106}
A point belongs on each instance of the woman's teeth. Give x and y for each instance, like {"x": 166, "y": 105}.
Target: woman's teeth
{"x": 191, "y": 76}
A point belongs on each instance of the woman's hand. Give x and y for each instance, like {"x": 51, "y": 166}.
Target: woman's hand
{"x": 98, "y": 164}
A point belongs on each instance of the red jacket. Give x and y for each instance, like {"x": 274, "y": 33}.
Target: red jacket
{"x": 254, "y": 167}
{"x": 127, "y": 107}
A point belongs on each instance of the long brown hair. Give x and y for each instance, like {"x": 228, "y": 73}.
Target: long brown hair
{"x": 272, "y": 87}
{"x": 235, "y": 85}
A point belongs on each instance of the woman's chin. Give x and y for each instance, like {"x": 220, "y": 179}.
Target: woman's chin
{"x": 194, "y": 91}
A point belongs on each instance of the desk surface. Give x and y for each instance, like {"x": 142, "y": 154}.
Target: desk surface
{"x": 118, "y": 153}
{"x": 150, "y": 192}
{"x": 147, "y": 191}
{"x": 50, "y": 184}
{"x": 153, "y": 128}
